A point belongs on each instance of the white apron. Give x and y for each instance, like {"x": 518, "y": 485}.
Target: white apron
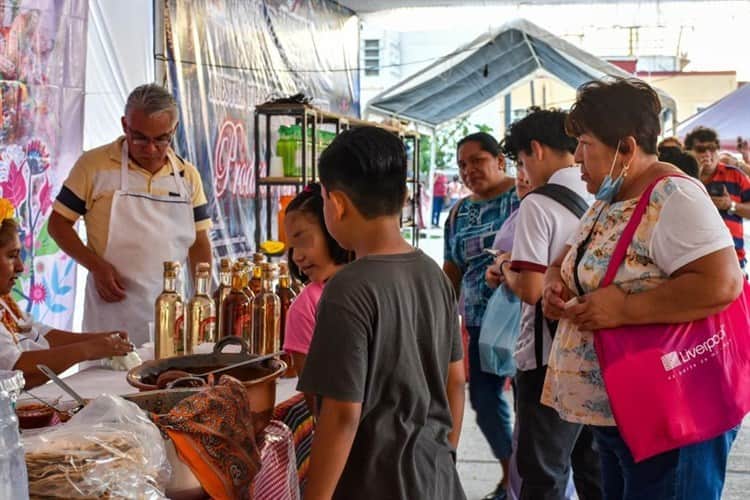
{"x": 144, "y": 231}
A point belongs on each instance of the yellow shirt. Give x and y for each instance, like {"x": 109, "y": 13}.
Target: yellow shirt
{"x": 93, "y": 180}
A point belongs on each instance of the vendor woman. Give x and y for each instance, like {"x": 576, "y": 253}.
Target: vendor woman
{"x": 25, "y": 343}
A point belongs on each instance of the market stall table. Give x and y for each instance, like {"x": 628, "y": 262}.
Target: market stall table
{"x": 95, "y": 381}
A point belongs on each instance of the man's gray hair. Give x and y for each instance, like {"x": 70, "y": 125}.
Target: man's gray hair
{"x": 151, "y": 99}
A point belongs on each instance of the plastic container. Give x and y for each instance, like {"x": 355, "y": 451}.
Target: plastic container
{"x": 33, "y": 415}
{"x": 285, "y": 148}
{"x": 296, "y": 135}
{"x": 14, "y": 481}
{"x": 284, "y": 200}
{"x": 277, "y": 166}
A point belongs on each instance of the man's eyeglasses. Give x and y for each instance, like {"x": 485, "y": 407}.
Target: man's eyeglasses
{"x": 701, "y": 148}
{"x": 138, "y": 139}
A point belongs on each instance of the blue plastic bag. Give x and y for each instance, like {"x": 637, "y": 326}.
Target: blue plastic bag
{"x": 501, "y": 326}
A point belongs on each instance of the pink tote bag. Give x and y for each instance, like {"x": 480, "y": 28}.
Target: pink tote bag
{"x": 672, "y": 385}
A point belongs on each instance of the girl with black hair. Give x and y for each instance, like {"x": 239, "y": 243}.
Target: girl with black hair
{"x": 314, "y": 257}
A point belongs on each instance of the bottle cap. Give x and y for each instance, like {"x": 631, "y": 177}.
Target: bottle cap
{"x": 171, "y": 265}
{"x": 269, "y": 270}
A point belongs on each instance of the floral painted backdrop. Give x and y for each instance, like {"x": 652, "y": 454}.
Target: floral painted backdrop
{"x": 42, "y": 71}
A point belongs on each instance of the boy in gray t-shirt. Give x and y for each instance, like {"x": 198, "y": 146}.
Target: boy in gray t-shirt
{"x": 386, "y": 355}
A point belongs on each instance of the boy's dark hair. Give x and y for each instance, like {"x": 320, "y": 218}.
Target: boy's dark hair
{"x": 701, "y": 134}
{"x": 310, "y": 202}
{"x": 369, "y": 165}
{"x": 680, "y": 159}
{"x": 613, "y": 110}
{"x": 486, "y": 142}
{"x": 546, "y": 126}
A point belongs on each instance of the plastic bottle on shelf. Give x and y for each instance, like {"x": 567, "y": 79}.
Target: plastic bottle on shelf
{"x": 284, "y": 149}
{"x": 295, "y": 140}
{"x": 281, "y": 143}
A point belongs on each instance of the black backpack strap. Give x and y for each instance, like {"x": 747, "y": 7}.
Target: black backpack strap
{"x": 565, "y": 197}
{"x": 577, "y": 206}
{"x": 539, "y": 333}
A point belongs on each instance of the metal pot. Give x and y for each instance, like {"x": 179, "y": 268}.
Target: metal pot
{"x": 259, "y": 380}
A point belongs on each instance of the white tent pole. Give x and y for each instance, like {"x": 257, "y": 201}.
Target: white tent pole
{"x": 160, "y": 72}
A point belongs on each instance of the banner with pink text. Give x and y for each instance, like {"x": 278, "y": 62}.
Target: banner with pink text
{"x": 223, "y": 57}
{"x": 42, "y": 74}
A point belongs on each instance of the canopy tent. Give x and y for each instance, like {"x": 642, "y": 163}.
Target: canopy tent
{"x": 369, "y": 6}
{"x": 724, "y": 117}
{"x": 491, "y": 66}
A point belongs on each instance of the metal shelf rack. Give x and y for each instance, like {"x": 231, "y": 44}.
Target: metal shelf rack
{"x": 310, "y": 119}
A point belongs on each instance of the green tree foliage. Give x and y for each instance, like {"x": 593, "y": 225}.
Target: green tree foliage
{"x": 448, "y": 135}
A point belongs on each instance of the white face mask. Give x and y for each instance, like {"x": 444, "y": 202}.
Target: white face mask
{"x": 610, "y": 187}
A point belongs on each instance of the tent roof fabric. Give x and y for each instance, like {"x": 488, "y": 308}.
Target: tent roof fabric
{"x": 369, "y": 6}
{"x": 490, "y": 66}
{"x": 725, "y": 117}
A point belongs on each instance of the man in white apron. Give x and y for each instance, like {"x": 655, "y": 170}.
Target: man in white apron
{"x": 142, "y": 205}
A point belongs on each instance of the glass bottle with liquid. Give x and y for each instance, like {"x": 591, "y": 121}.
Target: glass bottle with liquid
{"x": 247, "y": 272}
{"x": 238, "y": 308}
{"x": 266, "y": 315}
{"x": 169, "y": 321}
{"x": 286, "y": 295}
{"x": 225, "y": 286}
{"x": 255, "y": 282}
{"x": 201, "y": 317}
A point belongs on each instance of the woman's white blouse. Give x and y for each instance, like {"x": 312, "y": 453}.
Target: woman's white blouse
{"x": 31, "y": 340}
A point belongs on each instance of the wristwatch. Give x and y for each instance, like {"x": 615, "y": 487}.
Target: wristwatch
{"x": 732, "y": 207}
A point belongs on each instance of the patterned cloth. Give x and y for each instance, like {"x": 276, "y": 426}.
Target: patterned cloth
{"x": 468, "y": 233}
{"x": 213, "y": 434}
{"x": 277, "y": 478}
{"x": 295, "y": 413}
{"x": 574, "y": 384}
